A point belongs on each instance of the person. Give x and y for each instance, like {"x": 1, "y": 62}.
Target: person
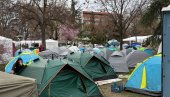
{"x": 41, "y": 48}
{"x": 18, "y": 66}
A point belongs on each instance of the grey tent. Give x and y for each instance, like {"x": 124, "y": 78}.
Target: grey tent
{"x": 17, "y": 86}
{"x": 48, "y": 54}
{"x": 127, "y": 51}
{"x": 118, "y": 62}
{"x": 105, "y": 53}
{"x": 136, "y": 57}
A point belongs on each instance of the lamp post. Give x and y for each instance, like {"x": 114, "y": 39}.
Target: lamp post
{"x": 19, "y": 37}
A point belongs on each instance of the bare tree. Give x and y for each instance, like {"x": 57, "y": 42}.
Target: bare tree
{"x": 123, "y": 12}
{"x": 45, "y": 14}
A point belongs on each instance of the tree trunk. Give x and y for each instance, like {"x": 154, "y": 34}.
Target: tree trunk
{"x": 121, "y": 39}
{"x": 43, "y": 36}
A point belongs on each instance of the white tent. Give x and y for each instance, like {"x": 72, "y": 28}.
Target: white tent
{"x": 50, "y": 43}
{"x": 6, "y": 49}
{"x": 139, "y": 39}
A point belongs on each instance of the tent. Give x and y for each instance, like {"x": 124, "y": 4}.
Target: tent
{"x": 96, "y": 50}
{"x": 50, "y": 43}
{"x": 135, "y": 57}
{"x": 74, "y": 49}
{"x": 140, "y": 39}
{"x": 48, "y": 54}
{"x": 105, "y": 52}
{"x": 149, "y": 51}
{"x": 118, "y": 62}
{"x": 22, "y": 51}
{"x": 96, "y": 66}
{"x": 146, "y": 78}
{"x": 17, "y": 86}
{"x": 127, "y": 51}
{"x": 27, "y": 58}
{"x": 56, "y": 78}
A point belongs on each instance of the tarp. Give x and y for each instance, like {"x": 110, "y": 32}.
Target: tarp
{"x": 27, "y": 58}
{"x": 17, "y": 86}
{"x": 118, "y": 62}
{"x": 136, "y": 57}
{"x": 146, "y": 78}
{"x": 96, "y": 66}
{"x": 61, "y": 79}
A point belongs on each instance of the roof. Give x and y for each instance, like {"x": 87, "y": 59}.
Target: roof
{"x": 96, "y": 13}
{"x": 166, "y": 8}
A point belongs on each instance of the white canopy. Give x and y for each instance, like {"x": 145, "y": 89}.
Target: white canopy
{"x": 139, "y": 38}
{"x": 4, "y": 38}
{"x": 50, "y": 43}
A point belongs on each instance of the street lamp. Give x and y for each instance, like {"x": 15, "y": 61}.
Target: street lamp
{"x": 19, "y": 37}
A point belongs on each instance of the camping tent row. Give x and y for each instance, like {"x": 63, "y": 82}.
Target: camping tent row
{"x": 58, "y": 78}
{"x": 121, "y": 61}
{"x": 146, "y": 77}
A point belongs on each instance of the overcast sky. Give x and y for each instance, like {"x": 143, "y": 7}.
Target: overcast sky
{"x": 88, "y": 5}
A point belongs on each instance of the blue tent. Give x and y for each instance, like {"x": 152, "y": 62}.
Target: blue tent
{"x": 149, "y": 51}
{"x": 96, "y": 50}
{"x": 22, "y": 51}
{"x": 27, "y": 57}
{"x": 135, "y": 44}
{"x": 146, "y": 78}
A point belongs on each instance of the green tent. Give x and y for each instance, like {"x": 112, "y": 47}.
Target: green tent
{"x": 96, "y": 66}
{"x": 61, "y": 79}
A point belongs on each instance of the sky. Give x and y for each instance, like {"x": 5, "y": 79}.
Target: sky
{"x": 88, "y": 5}
{"x": 85, "y": 5}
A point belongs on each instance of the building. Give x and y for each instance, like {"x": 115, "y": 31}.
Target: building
{"x": 94, "y": 17}
{"x": 101, "y": 21}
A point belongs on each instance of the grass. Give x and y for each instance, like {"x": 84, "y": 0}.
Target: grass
{"x": 106, "y": 91}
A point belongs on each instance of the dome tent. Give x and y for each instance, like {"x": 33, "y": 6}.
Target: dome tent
{"x": 58, "y": 78}
{"x": 96, "y": 66}
{"x": 146, "y": 78}
{"x": 118, "y": 62}
{"x": 27, "y": 57}
{"x": 136, "y": 57}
